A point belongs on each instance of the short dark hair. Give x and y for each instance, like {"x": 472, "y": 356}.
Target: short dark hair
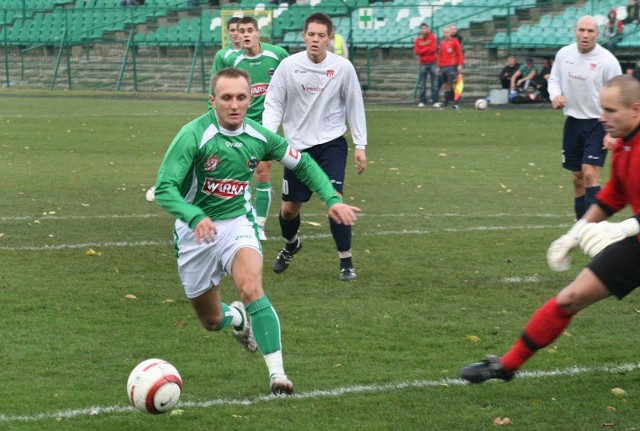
{"x": 233, "y": 20}
{"x": 248, "y": 20}
{"x": 319, "y": 18}
{"x": 228, "y": 72}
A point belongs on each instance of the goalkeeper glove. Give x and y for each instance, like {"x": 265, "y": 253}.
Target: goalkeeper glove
{"x": 558, "y": 256}
{"x": 595, "y": 237}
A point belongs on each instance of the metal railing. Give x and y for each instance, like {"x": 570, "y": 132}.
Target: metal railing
{"x": 168, "y": 48}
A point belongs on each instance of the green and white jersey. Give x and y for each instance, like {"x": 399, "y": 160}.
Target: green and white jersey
{"x": 219, "y": 62}
{"x": 206, "y": 170}
{"x": 260, "y": 69}
{"x": 222, "y": 57}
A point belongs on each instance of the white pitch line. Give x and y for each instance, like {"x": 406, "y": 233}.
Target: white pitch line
{"x": 308, "y": 215}
{"x": 315, "y": 236}
{"x": 87, "y": 245}
{"x": 77, "y": 217}
{"x": 518, "y": 279}
{"x": 315, "y": 394}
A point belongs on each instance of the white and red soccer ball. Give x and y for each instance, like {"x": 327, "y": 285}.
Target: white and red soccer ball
{"x": 154, "y": 386}
{"x": 481, "y": 104}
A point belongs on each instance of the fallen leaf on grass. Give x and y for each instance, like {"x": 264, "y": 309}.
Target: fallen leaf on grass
{"x": 502, "y": 421}
{"x": 130, "y": 296}
{"x": 618, "y": 392}
{"x": 473, "y": 338}
{"x": 313, "y": 223}
{"x": 92, "y": 252}
{"x": 168, "y": 301}
{"x": 176, "y": 412}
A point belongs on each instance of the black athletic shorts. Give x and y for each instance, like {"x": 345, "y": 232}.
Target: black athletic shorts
{"x": 332, "y": 158}
{"x": 618, "y": 266}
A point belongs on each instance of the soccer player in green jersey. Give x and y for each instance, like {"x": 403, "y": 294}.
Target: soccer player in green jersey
{"x": 219, "y": 60}
{"x": 203, "y": 182}
{"x": 232, "y": 48}
{"x": 260, "y": 60}
{"x": 223, "y": 54}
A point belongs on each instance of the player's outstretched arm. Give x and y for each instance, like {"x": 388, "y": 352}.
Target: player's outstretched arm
{"x": 343, "y": 213}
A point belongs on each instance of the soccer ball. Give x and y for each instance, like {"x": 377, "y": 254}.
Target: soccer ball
{"x": 481, "y": 104}
{"x": 154, "y": 386}
{"x": 151, "y": 194}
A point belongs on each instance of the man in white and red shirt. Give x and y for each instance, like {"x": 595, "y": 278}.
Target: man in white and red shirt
{"x": 615, "y": 247}
{"x": 578, "y": 73}
{"x": 450, "y": 62}
{"x": 313, "y": 93}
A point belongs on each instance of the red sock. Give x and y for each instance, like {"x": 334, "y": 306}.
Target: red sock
{"x": 545, "y": 325}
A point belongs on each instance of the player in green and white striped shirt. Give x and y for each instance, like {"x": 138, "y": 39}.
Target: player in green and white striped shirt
{"x": 203, "y": 181}
{"x": 260, "y": 60}
{"x": 223, "y": 54}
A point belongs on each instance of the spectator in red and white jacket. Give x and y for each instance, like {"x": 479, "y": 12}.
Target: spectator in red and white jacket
{"x": 425, "y": 47}
{"x": 613, "y": 31}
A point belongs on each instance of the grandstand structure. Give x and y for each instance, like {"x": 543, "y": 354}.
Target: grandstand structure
{"x": 168, "y": 45}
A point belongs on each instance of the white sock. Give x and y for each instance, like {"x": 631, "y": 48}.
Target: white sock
{"x": 236, "y": 317}
{"x": 274, "y": 363}
{"x": 344, "y": 254}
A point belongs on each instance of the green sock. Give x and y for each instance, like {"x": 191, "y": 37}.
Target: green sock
{"x": 263, "y": 199}
{"x": 228, "y": 317}
{"x": 265, "y": 324}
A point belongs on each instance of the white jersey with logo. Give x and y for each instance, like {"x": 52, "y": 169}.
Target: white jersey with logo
{"x": 313, "y": 101}
{"x": 579, "y": 78}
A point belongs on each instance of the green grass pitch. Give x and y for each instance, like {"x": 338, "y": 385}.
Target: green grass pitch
{"x": 458, "y": 209}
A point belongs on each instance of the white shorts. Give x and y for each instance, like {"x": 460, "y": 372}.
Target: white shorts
{"x": 202, "y": 266}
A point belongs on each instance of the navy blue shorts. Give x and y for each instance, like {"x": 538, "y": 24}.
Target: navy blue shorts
{"x": 618, "y": 266}
{"x": 332, "y": 158}
{"x": 582, "y": 144}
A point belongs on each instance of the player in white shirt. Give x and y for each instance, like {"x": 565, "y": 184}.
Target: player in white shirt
{"x": 312, "y": 93}
{"x": 577, "y": 76}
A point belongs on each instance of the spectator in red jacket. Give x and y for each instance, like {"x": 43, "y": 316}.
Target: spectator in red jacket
{"x": 613, "y": 31}
{"x": 450, "y": 62}
{"x": 425, "y": 47}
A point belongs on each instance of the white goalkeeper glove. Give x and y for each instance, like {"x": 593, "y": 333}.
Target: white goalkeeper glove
{"x": 595, "y": 237}
{"x": 558, "y": 255}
